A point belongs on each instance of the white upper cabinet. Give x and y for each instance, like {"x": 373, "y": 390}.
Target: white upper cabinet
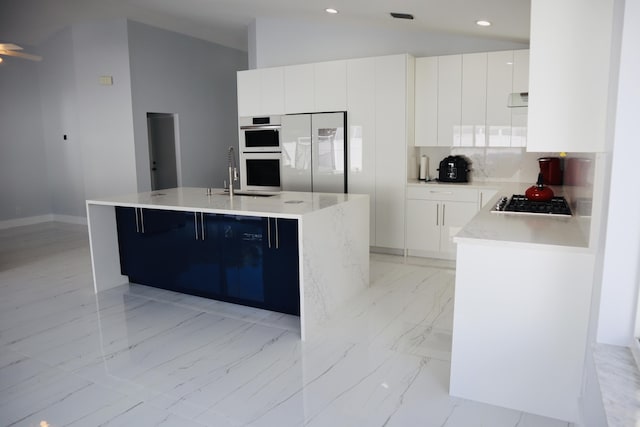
{"x": 499, "y": 88}
{"x": 272, "y": 84}
{"x": 449, "y": 99}
{"x": 426, "y": 101}
{"x": 249, "y": 93}
{"x": 299, "y": 89}
{"x": 318, "y": 87}
{"x": 519, "y": 115}
{"x": 569, "y": 75}
{"x": 330, "y": 84}
{"x": 463, "y": 100}
{"x": 260, "y": 92}
{"x": 474, "y": 100}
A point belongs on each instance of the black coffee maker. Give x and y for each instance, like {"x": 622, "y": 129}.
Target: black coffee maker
{"x": 453, "y": 169}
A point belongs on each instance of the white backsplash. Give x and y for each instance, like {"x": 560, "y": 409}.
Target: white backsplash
{"x": 516, "y": 165}
{"x": 488, "y": 164}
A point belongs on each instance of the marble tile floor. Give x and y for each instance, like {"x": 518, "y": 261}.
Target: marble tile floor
{"x": 140, "y": 356}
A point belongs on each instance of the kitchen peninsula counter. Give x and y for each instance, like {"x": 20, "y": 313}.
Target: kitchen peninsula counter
{"x": 567, "y": 232}
{"x": 522, "y": 301}
{"x": 332, "y": 232}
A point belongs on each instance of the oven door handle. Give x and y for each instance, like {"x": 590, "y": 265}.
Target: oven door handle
{"x": 260, "y": 127}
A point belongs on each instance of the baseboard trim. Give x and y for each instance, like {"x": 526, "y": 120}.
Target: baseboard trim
{"x": 70, "y": 219}
{"x": 20, "y": 222}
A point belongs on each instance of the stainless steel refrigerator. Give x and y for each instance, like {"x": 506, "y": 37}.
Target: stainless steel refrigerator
{"x": 314, "y": 152}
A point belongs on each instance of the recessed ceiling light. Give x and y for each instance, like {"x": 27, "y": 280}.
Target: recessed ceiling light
{"x": 331, "y": 10}
{"x": 483, "y": 23}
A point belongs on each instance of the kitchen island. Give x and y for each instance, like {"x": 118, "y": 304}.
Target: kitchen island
{"x": 522, "y": 301}
{"x": 328, "y": 234}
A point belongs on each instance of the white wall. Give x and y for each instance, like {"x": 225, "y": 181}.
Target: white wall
{"x": 282, "y": 41}
{"x": 621, "y": 271}
{"x": 173, "y": 73}
{"x": 104, "y": 113}
{"x": 23, "y": 189}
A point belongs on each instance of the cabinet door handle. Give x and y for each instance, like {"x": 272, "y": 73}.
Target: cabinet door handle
{"x": 443, "y": 208}
{"x": 195, "y": 224}
{"x": 437, "y": 214}
{"x": 269, "y": 231}
{"x": 202, "y": 224}
{"x": 135, "y": 210}
{"x": 142, "y": 220}
{"x": 481, "y": 200}
{"x": 277, "y": 237}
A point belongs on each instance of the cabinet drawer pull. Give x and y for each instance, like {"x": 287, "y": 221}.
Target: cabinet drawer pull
{"x": 202, "y": 224}
{"x": 269, "y": 231}
{"x": 195, "y": 224}
{"x": 440, "y": 192}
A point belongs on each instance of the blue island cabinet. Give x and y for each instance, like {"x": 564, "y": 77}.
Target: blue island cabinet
{"x": 241, "y": 259}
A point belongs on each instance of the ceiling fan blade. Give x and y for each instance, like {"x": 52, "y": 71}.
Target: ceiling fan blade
{"x": 20, "y": 55}
{"x": 9, "y": 46}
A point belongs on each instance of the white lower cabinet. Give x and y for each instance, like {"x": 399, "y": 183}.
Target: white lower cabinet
{"x": 434, "y": 215}
{"x": 485, "y": 195}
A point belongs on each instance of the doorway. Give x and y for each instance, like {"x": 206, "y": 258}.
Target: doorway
{"x": 164, "y": 155}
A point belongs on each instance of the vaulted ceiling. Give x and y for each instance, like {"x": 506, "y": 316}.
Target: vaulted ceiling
{"x": 225, "y": 22}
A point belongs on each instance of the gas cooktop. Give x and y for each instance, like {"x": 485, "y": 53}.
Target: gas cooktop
{"x": 519, "y": 204}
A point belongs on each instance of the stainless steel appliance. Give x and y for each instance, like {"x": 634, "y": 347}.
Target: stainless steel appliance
{"x": 260, "y": 134}
{"x": 260, "y": 153}
{"x": 314, "y": 152}
{"x": 260, "y": 171}
{"x": 519, "y": 204}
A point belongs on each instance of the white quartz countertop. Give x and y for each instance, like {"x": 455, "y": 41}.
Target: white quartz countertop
{"x": 475, "y": 184}
{"x": 285, "y": 204}
{"x": 505, "y": 228}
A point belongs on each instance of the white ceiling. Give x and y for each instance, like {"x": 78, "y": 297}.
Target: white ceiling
{"x": 225, "y": 22}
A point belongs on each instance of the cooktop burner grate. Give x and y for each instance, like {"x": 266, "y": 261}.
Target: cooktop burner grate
{"x": 520, "y": 204}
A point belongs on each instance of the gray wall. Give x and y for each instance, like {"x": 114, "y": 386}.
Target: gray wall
{"x": 97, "y": 159}
{"x": 104, "y": 114}
{"x": 65, "y": 177}
{"x": 281, "y": 41}
{"x": 172, "y": 73}
{"x": 23, "y": 190}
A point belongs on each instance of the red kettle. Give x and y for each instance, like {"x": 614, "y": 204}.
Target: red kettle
{"x": 539, "y": 192}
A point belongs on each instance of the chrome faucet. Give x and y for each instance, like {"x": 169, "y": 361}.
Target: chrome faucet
{"x": 233, "y": 169}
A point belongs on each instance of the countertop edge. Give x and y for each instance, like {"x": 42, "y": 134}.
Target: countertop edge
{"x": 285, "y": 204}
{"x": 198, "y": 209}
{"x": 548, "y": 232}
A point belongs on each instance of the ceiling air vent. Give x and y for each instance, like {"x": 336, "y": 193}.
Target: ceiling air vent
{"x": 401, "y": 15}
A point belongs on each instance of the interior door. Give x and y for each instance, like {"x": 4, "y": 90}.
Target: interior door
{"x": 328, "y": 152}
{"x": 295, "y": 138}
{"x": 162, "y": 151}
